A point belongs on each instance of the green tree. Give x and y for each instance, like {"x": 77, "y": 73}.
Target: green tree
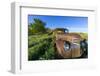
{"x": 38, "y": 26}
{"x": 30, "y": 30}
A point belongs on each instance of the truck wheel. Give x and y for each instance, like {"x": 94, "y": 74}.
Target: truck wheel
{"x": 84, "y": 48}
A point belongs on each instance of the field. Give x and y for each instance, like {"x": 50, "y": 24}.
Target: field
{"x": 41, "y": 39}
{"x": 41, "y": 46}
{"x": 83, "y": 35}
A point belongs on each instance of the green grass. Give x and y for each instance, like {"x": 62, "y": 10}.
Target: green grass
{"x": 40, "y": 47}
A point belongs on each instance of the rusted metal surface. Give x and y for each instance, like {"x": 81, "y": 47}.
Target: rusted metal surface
{"x": 60, "y": 49}
{"x": 74, "y": 50}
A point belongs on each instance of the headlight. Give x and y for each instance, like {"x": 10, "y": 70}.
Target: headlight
{"x": 66, "y": 46}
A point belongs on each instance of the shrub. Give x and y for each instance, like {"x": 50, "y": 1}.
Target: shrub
{"x": 37, "y": 51}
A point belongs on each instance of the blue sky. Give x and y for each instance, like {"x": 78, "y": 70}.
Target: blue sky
{"x": 73, "y": 23}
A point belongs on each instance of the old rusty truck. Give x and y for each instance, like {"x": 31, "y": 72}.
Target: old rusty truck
{"x": 68, "y": 45}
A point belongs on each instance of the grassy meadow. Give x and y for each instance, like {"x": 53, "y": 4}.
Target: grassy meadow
{"x": 41, "y": 41}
